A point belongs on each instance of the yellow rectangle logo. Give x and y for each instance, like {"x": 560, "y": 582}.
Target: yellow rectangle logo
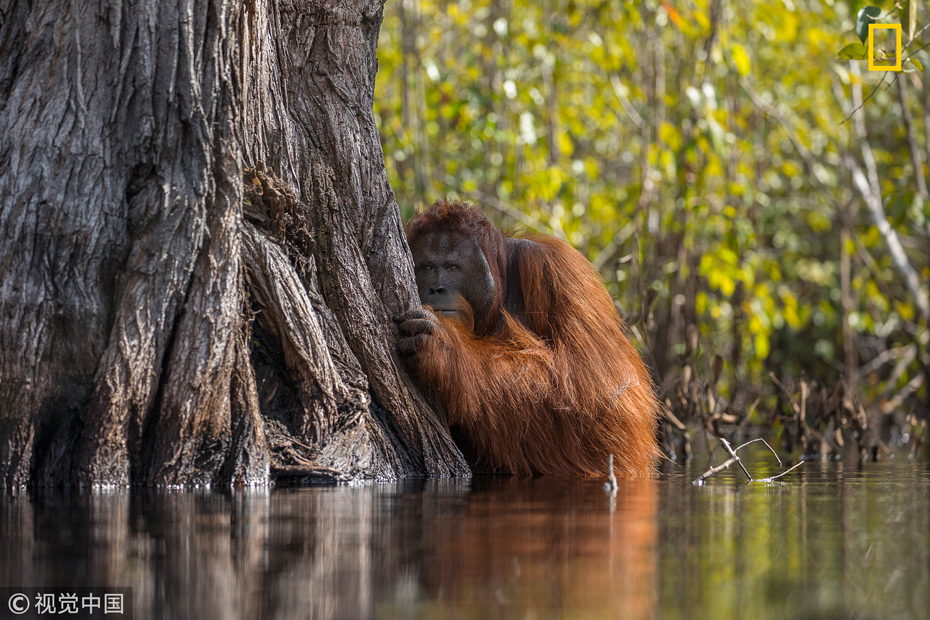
{"x": 897, "y": 47}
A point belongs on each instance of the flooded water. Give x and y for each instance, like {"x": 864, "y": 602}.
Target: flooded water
{"x": 831, "y": 540}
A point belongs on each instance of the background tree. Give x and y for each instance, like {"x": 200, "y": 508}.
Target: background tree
{"x": 704, "y": 155}
{"x": 200, "y": 250}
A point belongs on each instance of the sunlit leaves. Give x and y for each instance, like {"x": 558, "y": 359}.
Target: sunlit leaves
{"x": 854, "y": 51}
{"x": 719, "y": 178}
{"x": 741, "y": 59}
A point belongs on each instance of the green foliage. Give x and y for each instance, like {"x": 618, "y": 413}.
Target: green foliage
{"x": 693, "y": 151}
{"x": 867, "y": 15}
{"x": 854, "y": 51}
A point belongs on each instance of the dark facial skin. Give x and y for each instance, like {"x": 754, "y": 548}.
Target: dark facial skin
{"x": 450, "y": 267}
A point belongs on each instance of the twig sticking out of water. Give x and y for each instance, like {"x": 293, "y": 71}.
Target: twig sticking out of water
{"x": 611, "y": 485}
{"x": 734, "y": 458}
{"x": 798, "y": 464}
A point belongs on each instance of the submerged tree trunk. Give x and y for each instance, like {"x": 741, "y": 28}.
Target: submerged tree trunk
{"x": 199, "y": 249}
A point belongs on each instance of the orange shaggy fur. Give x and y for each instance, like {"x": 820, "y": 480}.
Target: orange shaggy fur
{"x": 551, "y": 387}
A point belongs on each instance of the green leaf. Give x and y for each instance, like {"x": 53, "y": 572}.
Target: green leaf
{"x": 867, "y": 15}
{"x": 908, "y": 16}
{"x": 854, "y": 51}
{"x": 916, "y": 63}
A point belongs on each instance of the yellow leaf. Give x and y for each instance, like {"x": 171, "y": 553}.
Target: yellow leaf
{"x": 762, "y": 346}
{"x": 905, "y": 310}
{"x": 700, "y": 302}
{"x": 566, "y": 145}
{"x": 702, "y": 20}
{"x": 726, "y": 284}
{"x": 670, "y": 136}
{"x": 741, "y": 59}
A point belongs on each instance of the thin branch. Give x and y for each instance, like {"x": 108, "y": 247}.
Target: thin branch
{"x": 766, "y": 445}
{"x": 893, "y": 403}
{"x": 611, "y": 485}
{"x": 885, "y": 357}
{"x": 870, "y": 188}
{"x": 917, "y": 34}
{"x": 732, "y": 453}
{"x": 890, "y": 11}
{"x": 874, "y": 203}
{"x": 713, "y": 470}
{"x": 775, "y": 113}
{"x": 874, "y": 269}
{"x": 625, "y": 102}
{"x": 734, "y": 458}
{"x": 611, "y": 248}
{"x": 787, "y": 471}
{"x": 506, "y": 209}
{"x": 912, "y": 141}
{"x": 871, "y": 94}
{"x": 673, "y": 419}
{"x": 782, "y": 387}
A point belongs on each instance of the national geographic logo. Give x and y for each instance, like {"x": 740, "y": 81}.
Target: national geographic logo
{"x": 885, "y": 45}
{"x": 897, "y": 47}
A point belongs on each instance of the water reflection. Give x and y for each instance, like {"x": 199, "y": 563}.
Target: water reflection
{"x": 828, "y": 542}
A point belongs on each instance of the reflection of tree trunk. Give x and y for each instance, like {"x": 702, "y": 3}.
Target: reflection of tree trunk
{"x": 354, "y": 552}
{"x": 128, "y": 274}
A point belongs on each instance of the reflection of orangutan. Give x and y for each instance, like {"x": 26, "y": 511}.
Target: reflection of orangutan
{"x": 538, "y": 548}
{"x": 525, "y": 350}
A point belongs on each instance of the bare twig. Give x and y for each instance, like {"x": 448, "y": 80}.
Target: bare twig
{"x": 913, "y": 146}
{"x": 776, "y": 113}
{"x": 784, "y": 390}
{"x": 775, "y": 454}
{"x": 889, "y": 13}
{"x": 734, "y": 458}
{"x": 909, "y": 350}
{"x": 869, "y": 186}
{"x": 916, "y": 36}
{"x": 625, "y": 102}
{"x": 793, "y": 467}
{"x": 864, "y": 101}
{"x": 672, "y": 418}
{"x": 732, "y": 453}
{"x": 611, "y": 485}
{"x": 505, "y": 208}
{"x": 893, "y": 403}
{"x": 713, "y": 470}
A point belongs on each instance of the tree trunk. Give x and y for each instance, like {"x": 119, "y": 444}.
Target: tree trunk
{"x": 199, "y": 249}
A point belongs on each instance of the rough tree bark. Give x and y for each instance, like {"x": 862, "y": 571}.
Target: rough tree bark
{"x": 199, "y": 249}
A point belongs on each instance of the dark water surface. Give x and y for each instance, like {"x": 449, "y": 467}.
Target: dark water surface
{"x": 831, "y": 540}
